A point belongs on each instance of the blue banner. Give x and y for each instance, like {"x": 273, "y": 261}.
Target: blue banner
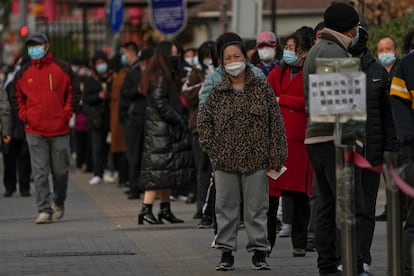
{"x": 168, "y": 16}
{"x": 116, "y": 14}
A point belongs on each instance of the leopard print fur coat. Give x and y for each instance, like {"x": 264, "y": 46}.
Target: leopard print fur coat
{"x": 243, "y": 131}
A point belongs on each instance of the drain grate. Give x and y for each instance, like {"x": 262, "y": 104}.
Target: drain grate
{"x": 77, "y": 253}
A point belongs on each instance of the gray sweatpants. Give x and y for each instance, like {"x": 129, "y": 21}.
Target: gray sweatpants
{"x": 49, "y": 154}
{"x": 231, "y": 188}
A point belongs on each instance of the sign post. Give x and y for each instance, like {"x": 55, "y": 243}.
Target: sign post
{"x": 169, "y": 17}
{"x": 116, "y": 14}
{"x": 337, "y": 94}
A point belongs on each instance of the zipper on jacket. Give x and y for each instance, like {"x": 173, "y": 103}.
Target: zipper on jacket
{"x": 50, "y": 82}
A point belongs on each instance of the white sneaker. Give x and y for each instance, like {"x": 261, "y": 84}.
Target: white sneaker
{"x": 366, "y": 267}
{"x": 43, "y": 218}
{"x": 58, "y": 211}
{"x": 109, "y": 177}
{"x": 286, "y": 230}
{"x": 95, "y": 180}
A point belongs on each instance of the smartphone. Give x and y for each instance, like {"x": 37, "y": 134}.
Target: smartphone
{"x": 276, "y": 174}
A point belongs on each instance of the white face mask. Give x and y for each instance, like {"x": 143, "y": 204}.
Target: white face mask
{"x": 235, "y": 68}
{"x": 266, "y": 53}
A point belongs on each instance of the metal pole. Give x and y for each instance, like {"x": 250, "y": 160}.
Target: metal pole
{"x": 394, "y": 225}
{"x": 22, "y": 12}
{"x": 223, "y": 16}
{"x": 85, "y": 33}
{"x": 273, "y": 14}
{"x": 345, "y": 203}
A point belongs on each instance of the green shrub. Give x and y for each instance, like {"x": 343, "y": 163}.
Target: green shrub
{"x": 396, "y": 28}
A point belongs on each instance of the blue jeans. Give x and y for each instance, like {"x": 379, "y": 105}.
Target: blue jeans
{"x": 49, "y": 154}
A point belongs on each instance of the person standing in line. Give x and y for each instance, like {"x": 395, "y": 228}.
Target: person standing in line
{"x": 207, "y": 55}
{"x": 83, "y": 143}
{"x": 313, "y": 198}
{"x": 16, "y": 156}
{"x": 96, "y": 95}
{"x": 388, "y": 56}
{"x": 242, "y": 131}
{"x": 6, "y": 128}
{"x": 402, "y": 102}
{"x": 117, "y": 137}
{"x": 296, "y": 182}
{"x": 43, "y": 87}
{"x": 267, "y": 48}
{"x": 167, "y": 159}
{"x": 135, "y": 117}
{"x": 340, "y": 32}
{"x": 378, "y": 137}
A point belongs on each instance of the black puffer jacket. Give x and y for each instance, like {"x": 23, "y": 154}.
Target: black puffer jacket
{"x": 380, "y": 131}
{"x": 167, "y": 160}
{"x": 96, "y": 109}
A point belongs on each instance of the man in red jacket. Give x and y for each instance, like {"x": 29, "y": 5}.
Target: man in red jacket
{"x": 45, "y": 93}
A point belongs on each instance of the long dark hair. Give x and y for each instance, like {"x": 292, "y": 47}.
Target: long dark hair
{"x": 160, "y": 62}
{"x": 208, "y": 49}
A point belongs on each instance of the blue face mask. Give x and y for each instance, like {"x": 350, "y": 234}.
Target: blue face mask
{"x": 101, "y": 68}
{"x": 36, "y": 52}
{"x": 207, "y": 62}
{"x": 195, "y": 61}
{"x": 124, "y": 60}
{"x": 290, "y": 57}
{"x": 355, "y": 39}
{"x": 386, "y": 58}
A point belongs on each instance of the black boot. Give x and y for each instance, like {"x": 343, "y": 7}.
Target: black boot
{"x": 165, "y": 213}
{"x": 147, "y": 215}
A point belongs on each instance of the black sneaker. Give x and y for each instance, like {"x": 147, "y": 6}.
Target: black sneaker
{"x": 259, "y": 261}
{"x": 226, "y": 262}
{"x": 206, "y": 222}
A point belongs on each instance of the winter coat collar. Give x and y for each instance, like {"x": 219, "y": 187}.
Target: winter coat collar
{"x": 341, "y": 39}
{"x": 47, "y": 59}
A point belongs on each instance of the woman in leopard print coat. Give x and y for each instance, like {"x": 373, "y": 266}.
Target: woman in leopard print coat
{"x": 242, "y": 130}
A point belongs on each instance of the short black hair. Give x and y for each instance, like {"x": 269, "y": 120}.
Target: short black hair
{"x": 131, "y": 46}
{"x": 225, "y": 38}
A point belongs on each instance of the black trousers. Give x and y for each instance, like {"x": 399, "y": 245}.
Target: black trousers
{"x": 322, "y": 157}
{"x": 300, "y": 217}
{"x": 83, "y": 149}
{"x": 272, "y": 220}
{"x": 17, "y": 163}
{"x": 134, "y": 137}
{"x": 121, "y": 165}
{"x": 203, "y": 169}
{"x": 369, "y": 182}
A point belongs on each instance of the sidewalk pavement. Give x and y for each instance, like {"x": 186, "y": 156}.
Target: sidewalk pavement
{"x": 99, "y": 235}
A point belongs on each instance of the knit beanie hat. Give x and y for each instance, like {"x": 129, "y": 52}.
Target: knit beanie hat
{"x": 340, "y": 17}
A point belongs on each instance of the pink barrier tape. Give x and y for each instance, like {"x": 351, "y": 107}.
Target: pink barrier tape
{"x": 361, "y": 162}
{"x": 407, "y": 189}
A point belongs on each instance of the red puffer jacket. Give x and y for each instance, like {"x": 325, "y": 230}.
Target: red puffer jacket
{"x": 46, "y": 92}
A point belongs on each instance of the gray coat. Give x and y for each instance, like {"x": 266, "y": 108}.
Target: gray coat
{"x": 331, "y": 45}
{"x": 5, "y": 115}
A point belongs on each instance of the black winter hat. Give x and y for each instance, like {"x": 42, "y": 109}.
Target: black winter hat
{"x": 340, "y": 17}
